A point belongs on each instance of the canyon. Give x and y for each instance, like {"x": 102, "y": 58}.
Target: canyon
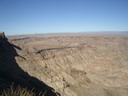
{"x": 80, "y": 64}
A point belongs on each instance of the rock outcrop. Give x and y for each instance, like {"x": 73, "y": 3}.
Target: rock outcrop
{"x": 2, "y": 35}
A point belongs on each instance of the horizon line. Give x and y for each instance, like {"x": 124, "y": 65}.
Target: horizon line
{"x": 67, "y": 32}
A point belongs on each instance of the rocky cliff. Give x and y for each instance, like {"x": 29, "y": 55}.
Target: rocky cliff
{"x": 11, "y": 72}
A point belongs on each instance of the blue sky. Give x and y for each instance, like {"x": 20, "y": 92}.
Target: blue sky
{"x": 44, "y": 16}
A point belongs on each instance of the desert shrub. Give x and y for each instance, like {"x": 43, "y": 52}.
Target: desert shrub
{"x": 19, "y": 91}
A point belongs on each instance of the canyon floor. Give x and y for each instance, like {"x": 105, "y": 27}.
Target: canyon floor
{"x": 76, "y": 64}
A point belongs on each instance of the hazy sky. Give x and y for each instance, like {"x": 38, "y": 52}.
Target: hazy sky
{"x": 43, "y": 16}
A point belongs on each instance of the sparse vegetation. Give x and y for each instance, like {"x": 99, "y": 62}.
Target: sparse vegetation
{"x": 19, "y": 91}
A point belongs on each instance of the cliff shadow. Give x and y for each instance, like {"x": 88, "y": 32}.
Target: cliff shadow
{"x": 11, "y": 72}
